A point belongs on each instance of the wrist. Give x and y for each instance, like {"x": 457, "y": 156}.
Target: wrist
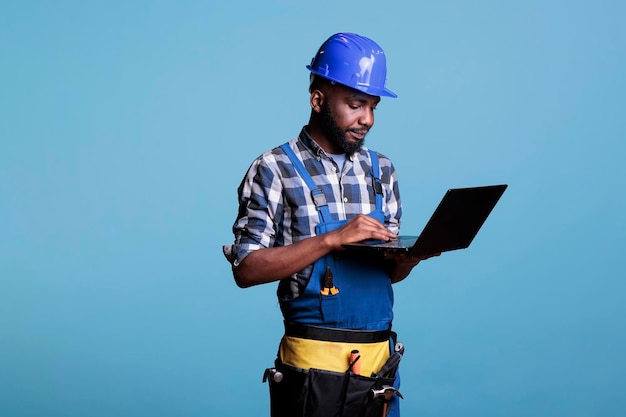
{"x": 330, "y": 241}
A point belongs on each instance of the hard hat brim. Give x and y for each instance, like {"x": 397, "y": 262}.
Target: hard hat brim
{"x": 385, "y": 92}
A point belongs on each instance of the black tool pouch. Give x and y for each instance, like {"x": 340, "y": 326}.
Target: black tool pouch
{"x": 320, "y": 393}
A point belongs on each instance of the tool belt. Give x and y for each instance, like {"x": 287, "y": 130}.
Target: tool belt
{"x": 298, "y": 392}
{"x": 305, "y": 347}
{"x": 312, "y": 392}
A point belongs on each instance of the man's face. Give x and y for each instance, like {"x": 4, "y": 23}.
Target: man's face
{"x": 347, "y": 115}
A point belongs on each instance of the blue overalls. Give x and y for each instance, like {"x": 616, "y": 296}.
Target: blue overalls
{"x": 344, "y": 292}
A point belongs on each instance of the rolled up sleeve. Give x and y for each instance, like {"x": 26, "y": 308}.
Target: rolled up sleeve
{"x": 260, "y": 199}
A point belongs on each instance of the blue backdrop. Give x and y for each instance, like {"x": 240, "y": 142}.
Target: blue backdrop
{"x": 127, "y": 126}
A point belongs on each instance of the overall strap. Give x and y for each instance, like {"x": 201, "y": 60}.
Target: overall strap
{"x": 376, "y": 182}
{"x": 316, "y": 193}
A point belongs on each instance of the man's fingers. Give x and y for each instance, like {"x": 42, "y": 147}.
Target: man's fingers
{"x": 405, "y": 258}
{"x": 365, "y": 227}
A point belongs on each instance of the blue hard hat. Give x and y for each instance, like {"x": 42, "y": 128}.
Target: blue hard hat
{"x": 354, "y": 61}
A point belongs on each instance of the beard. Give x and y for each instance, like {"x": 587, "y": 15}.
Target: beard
{"x": 335, "y": 134}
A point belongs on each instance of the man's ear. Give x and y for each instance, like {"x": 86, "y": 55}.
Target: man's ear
{"x": 317, "y": 100}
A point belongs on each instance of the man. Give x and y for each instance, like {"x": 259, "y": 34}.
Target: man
{"x": 298, "y": 205}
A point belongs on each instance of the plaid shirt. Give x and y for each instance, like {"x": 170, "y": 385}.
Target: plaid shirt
{"x": 276, "y": 208}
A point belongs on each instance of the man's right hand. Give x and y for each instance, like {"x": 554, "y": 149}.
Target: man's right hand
{"x": 357, "y": 229}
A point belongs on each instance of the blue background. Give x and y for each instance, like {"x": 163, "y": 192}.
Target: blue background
{"x": 127, "y": 126}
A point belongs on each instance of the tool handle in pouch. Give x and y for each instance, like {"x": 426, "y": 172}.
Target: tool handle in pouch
{"x": 354, "y": 362}
{"x": 329, "y": 302}
{"x": 328, "y": 286}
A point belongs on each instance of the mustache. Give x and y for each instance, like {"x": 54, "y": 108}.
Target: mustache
{"x": 361, "y": 131}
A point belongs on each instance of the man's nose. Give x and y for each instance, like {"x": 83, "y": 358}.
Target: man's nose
{"x": 367, "y": 118}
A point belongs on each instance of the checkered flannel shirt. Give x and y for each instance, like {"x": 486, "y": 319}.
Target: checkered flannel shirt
{"x": 276, "y": 208}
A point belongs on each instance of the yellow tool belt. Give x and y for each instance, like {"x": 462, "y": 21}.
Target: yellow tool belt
{"x": 308, "y": 347}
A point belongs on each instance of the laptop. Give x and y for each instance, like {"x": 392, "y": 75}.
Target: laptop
{"x": 453, "y": 225}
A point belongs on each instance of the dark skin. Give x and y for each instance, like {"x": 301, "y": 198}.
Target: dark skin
{"x": 353, "y": 112}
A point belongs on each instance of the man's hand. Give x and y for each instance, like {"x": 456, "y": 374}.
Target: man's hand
{"x": 359, "y": 228}
{"x": 401, "y": 264}
{"x": 405, "y": 258}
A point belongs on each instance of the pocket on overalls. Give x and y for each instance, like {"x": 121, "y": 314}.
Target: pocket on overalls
{"x": 330, "y": 306}
{"x": 330, "y": 298}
